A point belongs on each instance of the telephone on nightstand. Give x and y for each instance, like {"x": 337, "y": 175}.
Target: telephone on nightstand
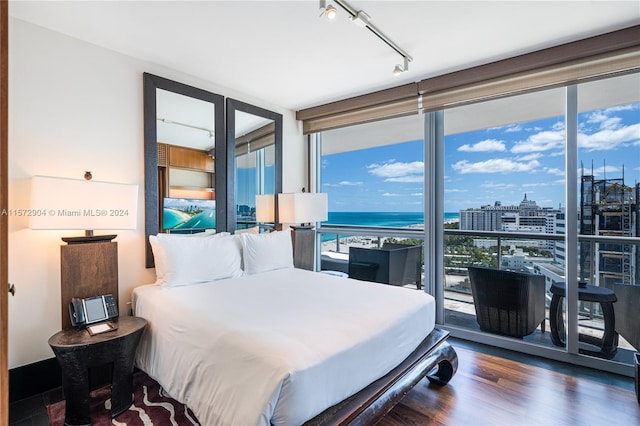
{"x": 92, "y": 310}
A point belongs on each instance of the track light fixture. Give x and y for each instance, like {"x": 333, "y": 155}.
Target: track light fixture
{"x": 329, "y": 11}
{"x": 399, "y": 69}
{"x": 212, "y": 134}
{"x": 363, "y": 20}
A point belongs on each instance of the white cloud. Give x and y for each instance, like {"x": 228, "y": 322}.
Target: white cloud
{"x": 609, "y": 138}
{"x": 555, "y": 171}
{"x": 533, "y": 185}
{"x": 488, "y": 145}
{"x": 393, "y": 169}
{"x": 498, "y": 165}
{"x": 541, "y": 141}
{"x": 529, "y": 157}
{"x": 628, "y": 107}
{"x": 406, "y": 179}
{"x": 389, "y": 194}
{"x": 343, "y": 183}
{"x": 417, "y": 194}
{"x": 602, "y": 170}
{"x": 455, "y": 190}
{"x": 494, "y": 185}
{"x": 513, "y": 128}
{"x": 398, "y": 171}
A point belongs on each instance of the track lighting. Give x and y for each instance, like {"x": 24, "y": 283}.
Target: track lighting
{"x": 329, "y": 11}
{"x": 399, "y": 69}
{"x": 363, "y": 20}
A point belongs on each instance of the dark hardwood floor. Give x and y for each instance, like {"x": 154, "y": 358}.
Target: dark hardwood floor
{"x": 492, "y": 387}
{"x": 493, "y": 390}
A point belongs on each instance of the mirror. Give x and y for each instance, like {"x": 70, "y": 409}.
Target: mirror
{"x": 254, "y": 162}
{"x": 185, "y": 159}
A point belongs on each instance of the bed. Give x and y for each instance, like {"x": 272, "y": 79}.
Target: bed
{"x": 260, "y": 342}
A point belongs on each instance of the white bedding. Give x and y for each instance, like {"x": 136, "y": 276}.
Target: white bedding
{"x": 277, "y": 347}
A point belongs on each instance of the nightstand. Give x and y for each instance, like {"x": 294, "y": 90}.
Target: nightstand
{"x": 77, "y": 351}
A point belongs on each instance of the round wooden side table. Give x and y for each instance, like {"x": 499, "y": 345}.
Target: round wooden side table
{"x": 77, "y": 351}
{"x": 606, "y": 346}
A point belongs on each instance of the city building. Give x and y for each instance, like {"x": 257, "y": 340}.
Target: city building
{"x": 608, "y": 207}
{"x": 525, "y": 217}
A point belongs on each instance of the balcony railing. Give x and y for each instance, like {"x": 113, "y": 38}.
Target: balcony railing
{"x": 493, "y": 246}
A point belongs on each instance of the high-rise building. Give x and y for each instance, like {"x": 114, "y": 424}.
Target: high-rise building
{"x": 524, "y": 217}
{"x": 609, "y": 208}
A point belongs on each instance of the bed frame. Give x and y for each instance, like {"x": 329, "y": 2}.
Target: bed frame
{"x": 434, "y": 358}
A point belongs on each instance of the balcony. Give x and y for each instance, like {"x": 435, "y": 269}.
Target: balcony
{"x": 533, "y": 253}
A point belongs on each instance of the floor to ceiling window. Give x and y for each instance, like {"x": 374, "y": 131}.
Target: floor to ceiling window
{"x": 608, "y": 199}
{"x": 505, "y": 176}
{"x": 374, "y": 176}
{"x": 544, "y": 183}
{"x": 504, "y": 188}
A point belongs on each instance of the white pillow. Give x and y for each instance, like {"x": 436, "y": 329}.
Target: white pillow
{"x": 158, "y": 251}
{"x": 267, "y": 251}
{"x": 186, "y": 261}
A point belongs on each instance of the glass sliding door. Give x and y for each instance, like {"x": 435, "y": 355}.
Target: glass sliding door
{"x": 608, "y": 190}
{"x": 544, "y": 184}
{"x": 373, "y": 174}
{"x": 503, "y": 194}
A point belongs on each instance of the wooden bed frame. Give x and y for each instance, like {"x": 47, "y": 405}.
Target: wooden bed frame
{"x": 433, "y": 358}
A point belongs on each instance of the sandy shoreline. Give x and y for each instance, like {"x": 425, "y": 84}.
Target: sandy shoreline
{"x": 364, "y": 241}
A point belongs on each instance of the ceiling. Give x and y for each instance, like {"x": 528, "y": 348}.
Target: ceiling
{"x": 285, "y": 53}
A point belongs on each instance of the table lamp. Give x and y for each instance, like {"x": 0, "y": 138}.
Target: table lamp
{"x": 302, "y": 209}
{"x": 88, "y": 263}
{"x": 265, "y": 208}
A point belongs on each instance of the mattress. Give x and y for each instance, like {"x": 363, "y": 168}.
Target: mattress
{"x": 277, "y": 347}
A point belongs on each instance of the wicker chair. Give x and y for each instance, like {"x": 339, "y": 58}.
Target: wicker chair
{"x": 508, "y": 303}
{"x": 396, "y": 264}
{"x": 626, "y": 313}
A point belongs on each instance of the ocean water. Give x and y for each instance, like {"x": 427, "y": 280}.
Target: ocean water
{"x": 393, "y": 219}
{"x": 383, "y": 219}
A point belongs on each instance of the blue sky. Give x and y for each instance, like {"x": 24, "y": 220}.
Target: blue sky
{"x": 489, "y": 165}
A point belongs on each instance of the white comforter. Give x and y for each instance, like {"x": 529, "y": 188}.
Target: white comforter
{"x": 277, "y": 347}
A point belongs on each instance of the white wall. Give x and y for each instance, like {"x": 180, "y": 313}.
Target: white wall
{"x": 73, "y": 107}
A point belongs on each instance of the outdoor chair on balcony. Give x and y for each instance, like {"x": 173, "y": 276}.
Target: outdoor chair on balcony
{"x": 397, "y": 264}
{"x": 333, "y": 261}
{"x": 508, "y": 303}
{"x": 626, "y": 313}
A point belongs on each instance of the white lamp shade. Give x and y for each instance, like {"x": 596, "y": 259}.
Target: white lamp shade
{"x": 302, "y": 207}
{"x": 265, "y": 208}
{"x": 58, "y": 203}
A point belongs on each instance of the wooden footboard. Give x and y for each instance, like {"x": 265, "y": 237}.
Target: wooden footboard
{"x": 434, "y": 358}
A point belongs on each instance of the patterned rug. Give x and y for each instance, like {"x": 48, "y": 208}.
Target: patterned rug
{"x": 151, "y": 406}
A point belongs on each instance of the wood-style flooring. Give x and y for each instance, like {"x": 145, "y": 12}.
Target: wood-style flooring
{"x": 491, "y": 390}
{"x": 492, "y": 387}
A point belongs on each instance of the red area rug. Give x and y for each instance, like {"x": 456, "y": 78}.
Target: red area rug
{"x": 151, "y": 406}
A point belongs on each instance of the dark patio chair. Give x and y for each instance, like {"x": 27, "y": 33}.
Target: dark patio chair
{"x": 626, "y": 313}
{"x": 507, "y": 302}
{"x": 396, "y": 264}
